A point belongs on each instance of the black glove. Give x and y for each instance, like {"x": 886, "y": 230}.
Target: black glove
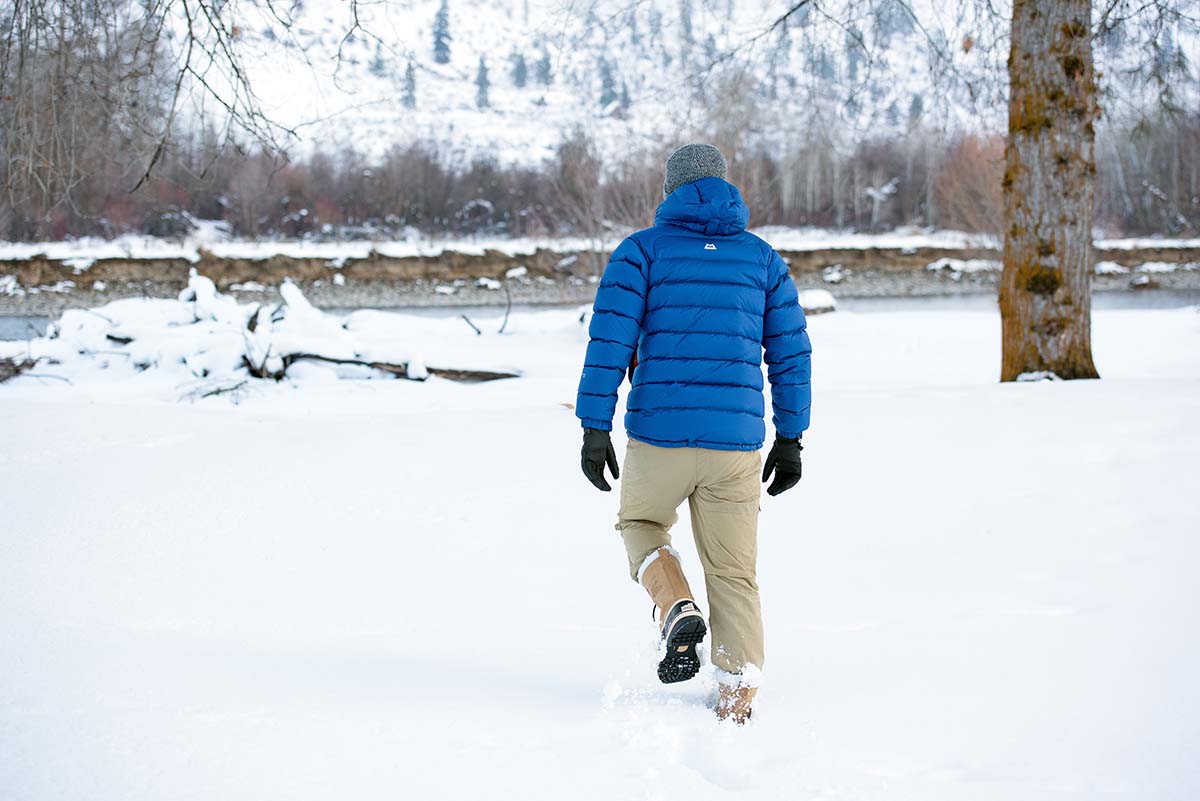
{"x": 784, "y": 460}
{"x": 598, "y": 451}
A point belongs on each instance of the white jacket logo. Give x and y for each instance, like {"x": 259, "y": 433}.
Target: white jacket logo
{"x": 710, "y": 246}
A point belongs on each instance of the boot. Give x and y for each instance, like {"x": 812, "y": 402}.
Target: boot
{"x": 733, "y": 703}
{"x": 681, "y": 624}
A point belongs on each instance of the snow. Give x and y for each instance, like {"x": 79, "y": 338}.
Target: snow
{"x": 965, "y": 265}
{"x": 335, "y": 89}
{"x": 385, "y": 588}
{"x": 816, "y": 301}
{"x": 1165, "y": 266}
{"x": 834, "y": 274}
{"x": 1113, "y": 268}
{"x": 905, "y": 238}
{"x": 1145, "y": 243}
{"x": 1038, "y": 375}
{"x": 81, "y": 253}
{"x": 86, "y": 250}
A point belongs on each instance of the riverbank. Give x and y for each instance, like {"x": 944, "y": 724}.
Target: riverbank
{"x": 43, "y": 279}
{"x": 337, "y": 291}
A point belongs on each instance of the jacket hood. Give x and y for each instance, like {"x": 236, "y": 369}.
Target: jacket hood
{"x": 709, "y": 206}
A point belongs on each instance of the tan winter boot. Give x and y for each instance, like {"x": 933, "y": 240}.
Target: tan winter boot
{"x": 734, "y": 703}
{"x": 682, "y": 625}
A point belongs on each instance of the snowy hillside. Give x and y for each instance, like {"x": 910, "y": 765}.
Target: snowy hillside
{"x": 632, "y": 75}
{"x": 618, "y": 70}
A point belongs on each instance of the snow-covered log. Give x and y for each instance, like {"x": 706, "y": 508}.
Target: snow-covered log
{"x": 210, "y": 336}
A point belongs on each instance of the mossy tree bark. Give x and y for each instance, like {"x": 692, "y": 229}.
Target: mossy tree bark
{"x": 1046, "y": 288}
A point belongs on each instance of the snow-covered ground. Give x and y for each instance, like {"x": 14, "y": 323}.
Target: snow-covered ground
{"x": 389, "y": 589}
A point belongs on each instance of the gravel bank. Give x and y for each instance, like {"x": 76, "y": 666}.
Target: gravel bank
{"x": 544, "y": 290}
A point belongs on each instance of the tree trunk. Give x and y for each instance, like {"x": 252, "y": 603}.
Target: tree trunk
{"x": 1046, "y": 288}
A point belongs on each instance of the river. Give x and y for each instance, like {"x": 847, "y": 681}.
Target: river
{"x": 19, "y": 327}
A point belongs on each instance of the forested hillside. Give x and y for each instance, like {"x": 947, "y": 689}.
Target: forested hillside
{"x": 336, "y": 118}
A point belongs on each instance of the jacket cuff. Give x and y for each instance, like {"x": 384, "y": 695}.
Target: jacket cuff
{"x": 780, "y": 434}
{"x": 601, "y": 425}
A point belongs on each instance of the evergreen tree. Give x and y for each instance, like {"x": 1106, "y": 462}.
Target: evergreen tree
{"x": 441, "y": 34}
{"x": 608, "y": 86}
{"x": 481, "y": 85}
{"x": 409, "y": 97}
{"x": 854, "y": 53}
{"x": 685, "y": 21}
{"x": 378, "y": 65}
{"x": 655, "y": 24}
{"x": 1112, "y": 37}
{"x": 623, "y": 100}
{"x": 915, "y": 109}
{"x": 710, "y": 49}
{"x": 822, "y": 66}
{"x": 543, "y": 69}
{"x": 1166, "y": 54}
{"x": 891, "y": 18}
{"x": 520, "y": 71}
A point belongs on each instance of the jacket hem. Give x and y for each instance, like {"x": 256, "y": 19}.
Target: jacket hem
{"x": 696, "y": 443}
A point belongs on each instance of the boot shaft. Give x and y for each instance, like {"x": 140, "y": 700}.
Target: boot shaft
{"x": 662, "y": 576}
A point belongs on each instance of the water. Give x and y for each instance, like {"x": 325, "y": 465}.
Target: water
{"x": 20, "y": 327}
{"x": 1104, "y": 301}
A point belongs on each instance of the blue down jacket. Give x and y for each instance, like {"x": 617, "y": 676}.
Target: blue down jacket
{"x": 699, "y": 300}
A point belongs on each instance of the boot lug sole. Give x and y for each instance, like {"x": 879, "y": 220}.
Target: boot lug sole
{"x": 681, "y": 661}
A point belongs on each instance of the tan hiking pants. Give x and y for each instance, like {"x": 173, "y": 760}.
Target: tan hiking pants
{"x": 722, "y": 489}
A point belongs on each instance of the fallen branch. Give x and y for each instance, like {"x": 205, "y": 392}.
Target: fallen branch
{"x": 261, "y": 370}
{"x": 469, "y": 376}
{"x": 11, "y": 368}
{"x": 40, "y": 376}
{"x": 398, "y": 370}
{"x": 212, "y": 393}
{"x": 401, "y": 370}
{"x": 474, "y": 327}
{"x": 507, "y": 305}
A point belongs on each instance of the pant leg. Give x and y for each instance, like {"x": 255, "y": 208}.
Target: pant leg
{"x": 654, "y": 481}
{"x": 724, "y": 508}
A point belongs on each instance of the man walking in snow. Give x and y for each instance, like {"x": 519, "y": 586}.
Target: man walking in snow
{"x": 689, "y": 307}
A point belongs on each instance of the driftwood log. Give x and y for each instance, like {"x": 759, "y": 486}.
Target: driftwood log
{"x": 281, "y": 363}
{"x": 400, "y": 370}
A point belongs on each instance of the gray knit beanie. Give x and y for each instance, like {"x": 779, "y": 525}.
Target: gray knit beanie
{"x": 691, "y": 163}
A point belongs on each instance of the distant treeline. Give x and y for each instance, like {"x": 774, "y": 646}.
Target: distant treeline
{"x": 1148, "y": 183}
